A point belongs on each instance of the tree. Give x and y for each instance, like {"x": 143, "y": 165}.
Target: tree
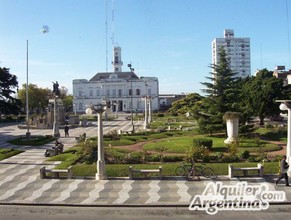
{"x": 221, "y": 95}
{"x": 38, "y": 97}
{"x": 260, "y": 93}
{"x": 186, "y": 104}
{"x": 8, "y": 83}
{"x": 68, "y": 103}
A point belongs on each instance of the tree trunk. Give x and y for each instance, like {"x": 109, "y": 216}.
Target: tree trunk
{"x": 261, "y": 121}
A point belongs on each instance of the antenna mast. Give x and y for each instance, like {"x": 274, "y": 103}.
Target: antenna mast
{"x": 112, "y": 24}
{"x": 106, "y": 35}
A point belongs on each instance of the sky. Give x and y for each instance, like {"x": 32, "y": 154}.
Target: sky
{"x": 167, "y": 39}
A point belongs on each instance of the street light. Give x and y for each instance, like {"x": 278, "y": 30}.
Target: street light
{"x": 44, "y": 30}
{"x": 27, "y": 106}
{"x": 286, "y": 105}
{"x": 131, "y": 98}
{"x": 101, "y": 172}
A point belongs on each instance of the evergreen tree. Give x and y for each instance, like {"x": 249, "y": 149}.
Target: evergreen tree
{"x": 222, "y": 95}
{"x": 8, "y": 83}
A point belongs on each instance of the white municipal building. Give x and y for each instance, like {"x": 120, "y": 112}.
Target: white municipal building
{"x": 125, "y": 91}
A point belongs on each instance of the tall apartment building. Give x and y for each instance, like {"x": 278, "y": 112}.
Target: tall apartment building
{"x": 238, "y": 52}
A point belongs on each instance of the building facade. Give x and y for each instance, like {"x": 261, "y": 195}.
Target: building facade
{"x": 124, "y": 91}
{"x": 238, "y": 52}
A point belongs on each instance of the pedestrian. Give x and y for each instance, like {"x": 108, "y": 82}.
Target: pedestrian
{"x": 284, "y": 166}
{"x": 66, "y": 131}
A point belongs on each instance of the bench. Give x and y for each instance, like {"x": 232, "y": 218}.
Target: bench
{"x": 145, "y": 172}
{"x": 56, "y": 172}
{"x": 55, "y": 150}
{"x": 245, "y": 170}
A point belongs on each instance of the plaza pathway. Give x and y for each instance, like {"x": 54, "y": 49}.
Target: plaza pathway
{"x": 20, "y": 181}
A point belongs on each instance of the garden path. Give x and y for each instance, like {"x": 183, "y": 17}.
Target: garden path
{"x": 278, "y": 152}
{"x": 139, "y": 147}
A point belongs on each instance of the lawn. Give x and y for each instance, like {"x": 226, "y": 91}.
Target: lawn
{"x": 6, "y": 153}
{"x": 121, "y": 170}
{"x": 35, "y": 140}
{"x": 181, "y": 144}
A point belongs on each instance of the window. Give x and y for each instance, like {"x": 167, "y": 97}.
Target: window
{"x": 116, "y": 59}
{"x": 119, "y": 92}
{"x": 114, "y": 92}
{"x": 107, "y": 92}
{"x": 137, "y": 91}
{"x": 91, "y": 92}
{"x": 80, "y": 93}
{"x": 149, "y": 92}
{"x": 129, "y": 92}
{"x": 98, "y": 92}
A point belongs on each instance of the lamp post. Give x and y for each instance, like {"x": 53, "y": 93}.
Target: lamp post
{"x": 145, "y": 112}
{"x": 27, "y": 106}
{"x": 286, "y": 106}
{"x": 131, "y": 98}
{"x": 44, "y": 30}
{"x": 56, "y": 93}
{"x": 150, "y": 110}
{"x": 101, "y": 172}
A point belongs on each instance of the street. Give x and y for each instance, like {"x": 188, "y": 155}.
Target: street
{"x": 14, "y": 212}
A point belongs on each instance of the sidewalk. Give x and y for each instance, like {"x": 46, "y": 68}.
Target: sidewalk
{"x": 20, "y": 183}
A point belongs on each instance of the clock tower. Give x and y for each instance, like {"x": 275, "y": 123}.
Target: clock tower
{"x": 117, "y": 63}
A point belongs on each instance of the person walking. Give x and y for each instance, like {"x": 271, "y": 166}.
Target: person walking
{"x": 66, "y": 131}
{"x": 284, "y": 166}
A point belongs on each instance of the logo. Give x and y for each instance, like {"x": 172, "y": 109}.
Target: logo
{"x": 235, "y": 197}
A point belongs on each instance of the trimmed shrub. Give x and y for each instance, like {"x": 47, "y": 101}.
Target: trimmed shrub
{"x": 203, "y": 142}
{"x": 174, "y": 158}
{"x": 244, "y": 155}
{"x": 134, "y": 158}
{"x": 244, "y": 129}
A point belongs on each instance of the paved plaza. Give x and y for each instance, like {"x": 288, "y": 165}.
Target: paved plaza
{"x": 20, "y": 181}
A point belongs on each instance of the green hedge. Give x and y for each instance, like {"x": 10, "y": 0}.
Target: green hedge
{"x": 203, "y": 142}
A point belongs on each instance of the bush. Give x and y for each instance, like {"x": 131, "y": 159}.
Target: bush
{"x": 216, "y": 157}
{"x": 255, "y": 159}
{"x": 244, "y": 129}
{"x": 112, "y": 135}
{"x": 244, "y": 155}
{"x": 203, "y": 142}
{"x": 174, "y": 158}
{"x": 160, "y": 115}
{"x": 134, "y": 158}
{"x": 154, "y": 158}
{"x": 175, "y": 114}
